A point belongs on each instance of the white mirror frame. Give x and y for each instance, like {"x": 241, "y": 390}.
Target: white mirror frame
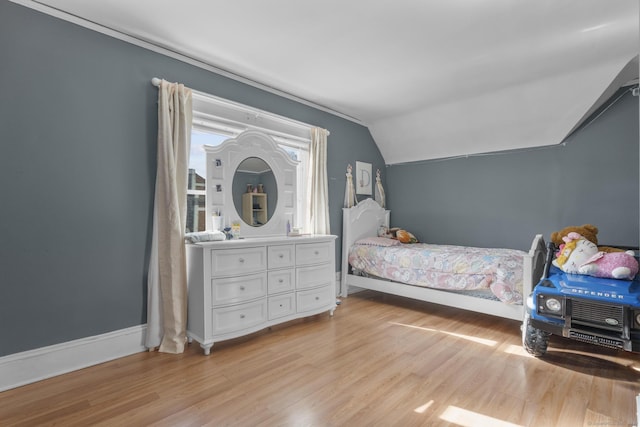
{"x": 222, "y": 162}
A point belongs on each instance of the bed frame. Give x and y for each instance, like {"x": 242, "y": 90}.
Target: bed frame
{"x": 364, "y": 219}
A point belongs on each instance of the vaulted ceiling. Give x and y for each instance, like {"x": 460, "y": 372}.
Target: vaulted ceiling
{"x": 430, "y": 79}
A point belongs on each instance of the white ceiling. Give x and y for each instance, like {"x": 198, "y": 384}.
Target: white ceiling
{"x": 431, "y": 79}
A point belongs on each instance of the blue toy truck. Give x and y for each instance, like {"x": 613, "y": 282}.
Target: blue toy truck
{"x": 598, "y": 311}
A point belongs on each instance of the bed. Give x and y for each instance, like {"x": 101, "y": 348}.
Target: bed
{"x": 498, "y": 288}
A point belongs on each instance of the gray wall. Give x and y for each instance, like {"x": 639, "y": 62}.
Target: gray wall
{"x": 503, "y": 200}
{"x": 78, "y": 121}
{"x": 78, "y": 118}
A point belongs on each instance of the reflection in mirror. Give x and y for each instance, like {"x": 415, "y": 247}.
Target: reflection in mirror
{"x": 254, "y": 189}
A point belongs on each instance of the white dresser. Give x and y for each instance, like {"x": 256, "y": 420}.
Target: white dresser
{"x": 237, "y": 287}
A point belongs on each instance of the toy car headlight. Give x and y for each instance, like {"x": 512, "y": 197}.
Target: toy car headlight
{"x": 550, "y": 305}
{"x": 553, "y": 305}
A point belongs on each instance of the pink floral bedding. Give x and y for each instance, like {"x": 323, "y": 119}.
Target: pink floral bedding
{"x": 453, "y": 268}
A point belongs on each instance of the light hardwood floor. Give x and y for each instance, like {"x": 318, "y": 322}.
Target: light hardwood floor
{"x": 381, "y": 361}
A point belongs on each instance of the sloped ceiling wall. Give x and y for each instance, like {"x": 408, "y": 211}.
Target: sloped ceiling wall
{"x": 531, "y": 113}
{"x": 429, "y": 79}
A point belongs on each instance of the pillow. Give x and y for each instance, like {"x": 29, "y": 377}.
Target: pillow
{"x": 377, "y": 241}
{"x": 204, "y": 236}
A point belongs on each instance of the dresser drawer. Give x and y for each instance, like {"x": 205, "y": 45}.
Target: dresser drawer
{"x": 313, "y": 299}
{"x": 228, "y": 262}
{"x": 281, "y": 280}
{"x": 282, "y": 305}
{"x": 238, "y": 317}
{"x": 238, "y": 287}
{"x": 230, "y": 290}
{"x": 313, "y": 253}
{"x": 317, "y": 275}
{"x": 281, "y": 256}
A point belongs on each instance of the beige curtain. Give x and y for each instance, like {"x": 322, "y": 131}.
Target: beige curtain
{"x": 167, "y": 281}
{"x": 318, "y": 188}
{"x": 350, "y": 199}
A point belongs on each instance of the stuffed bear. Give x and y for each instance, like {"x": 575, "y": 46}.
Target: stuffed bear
{"x": 579, "y": 255}
{"x": 588, "y": 231}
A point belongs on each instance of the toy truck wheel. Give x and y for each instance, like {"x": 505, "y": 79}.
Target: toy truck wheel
{"x": 534, "y": 340}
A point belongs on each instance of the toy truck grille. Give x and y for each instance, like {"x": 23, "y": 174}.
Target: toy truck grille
{"x": 595, "y": 314}
{"x": 593, "y": 339}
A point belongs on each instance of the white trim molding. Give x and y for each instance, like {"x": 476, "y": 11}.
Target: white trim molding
{"x": 35, "y": 365}
{"x": 232, "y": 118}
{"x": 638, "y": 409}
{"x": 146, "y": 44}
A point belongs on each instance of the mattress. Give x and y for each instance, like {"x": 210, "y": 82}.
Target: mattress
{"x": 446, "y": 267}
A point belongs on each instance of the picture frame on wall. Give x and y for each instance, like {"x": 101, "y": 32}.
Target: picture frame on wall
{"x": 363, "y": 178}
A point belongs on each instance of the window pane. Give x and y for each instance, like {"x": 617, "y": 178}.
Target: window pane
{"x": 294, "y": 153}
{"x": 195, "y": 213}
{"x": 196, "y": 218}
{"x": 197, "y": 156}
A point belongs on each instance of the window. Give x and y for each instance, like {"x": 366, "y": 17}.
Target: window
{"x": 197, "y": 178}
{"x": 214, "y": 121}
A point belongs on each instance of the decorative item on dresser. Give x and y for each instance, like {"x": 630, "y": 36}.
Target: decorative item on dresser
{"x": 236, "y": 171}
{"x": 237, "y": 287}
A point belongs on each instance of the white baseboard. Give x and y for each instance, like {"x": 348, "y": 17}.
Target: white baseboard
{"x": 354, "y": 290}
{"x": 46, "y": 362}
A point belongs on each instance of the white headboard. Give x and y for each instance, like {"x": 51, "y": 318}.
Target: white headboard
{"x": 362, "y": 220}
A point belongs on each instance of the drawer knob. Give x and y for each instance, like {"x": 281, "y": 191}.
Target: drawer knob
{"x": 242, "y": 316}
{"x": 317, "y": 253}
{"x": 280, "y": 281}
{"x": 281, "y": 256}
{"x": 241, "y": 260}
{"x": 242, "y": 288}
{"x": 317, "y": 298}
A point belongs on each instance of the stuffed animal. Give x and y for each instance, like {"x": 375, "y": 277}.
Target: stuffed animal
{"x": 579, "y": 255}
{"x": 403, "y": 236}
{"x": 383, "y": 231}
{"x": 588, "y": 231}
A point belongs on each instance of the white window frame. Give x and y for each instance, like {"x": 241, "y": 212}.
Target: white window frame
{"x": 221, "y": 116}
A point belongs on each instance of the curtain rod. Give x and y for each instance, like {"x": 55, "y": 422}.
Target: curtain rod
{"x": 156, "y": 82}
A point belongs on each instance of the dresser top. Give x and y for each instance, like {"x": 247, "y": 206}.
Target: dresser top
{"x": 273, "y": 240}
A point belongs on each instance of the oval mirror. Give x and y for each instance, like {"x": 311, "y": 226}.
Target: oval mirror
{"x": 255, "y": 191}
